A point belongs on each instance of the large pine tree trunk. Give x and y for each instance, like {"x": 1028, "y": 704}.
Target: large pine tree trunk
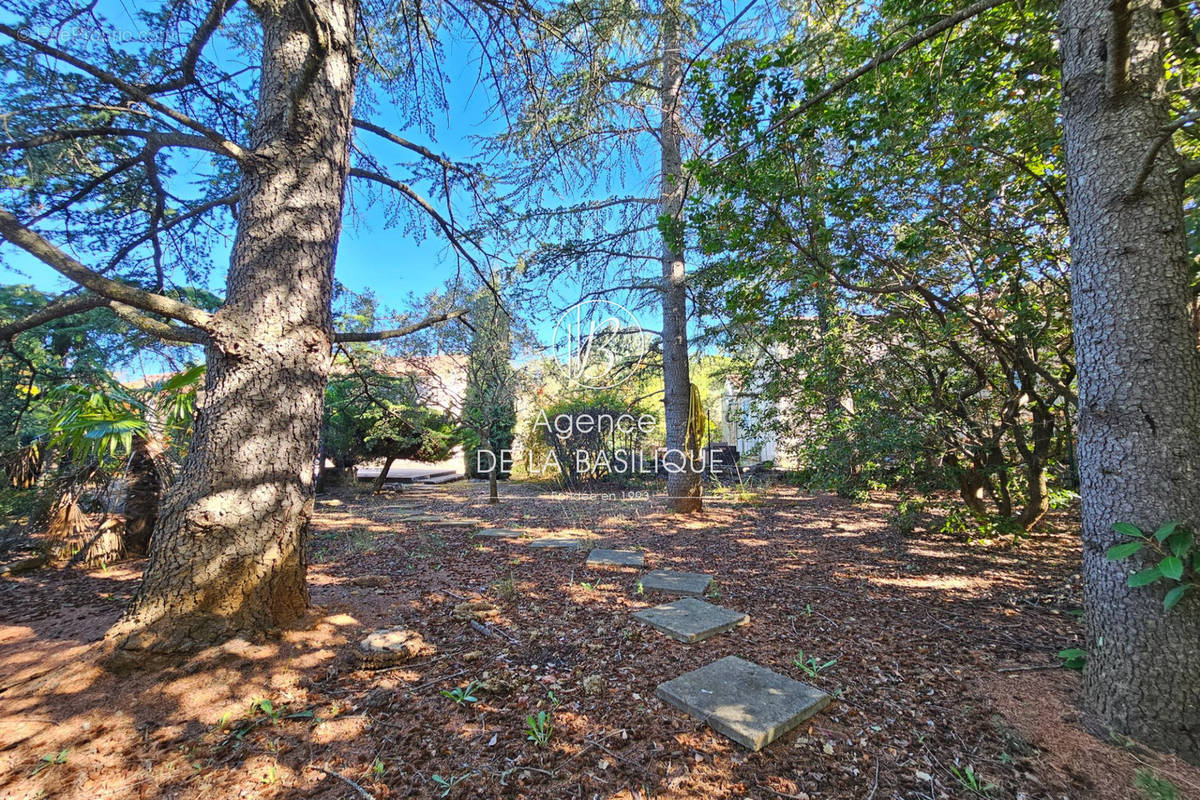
{"x": 229, "y": 552}
{"x": 683, "y": 481}
{"x": 1139, "y": 373}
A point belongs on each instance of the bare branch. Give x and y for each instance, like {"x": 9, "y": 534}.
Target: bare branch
{"x": 77, "y": 304}
{"x": 395, "y": 333}
{"x": 170, "y": 333}
{"x": 192, "y": 213}
{"x": 32, "y": 243}
{"x": 448, "y": 229}
{"x": 441, "y": 161}
{"x": 88, "y": 187}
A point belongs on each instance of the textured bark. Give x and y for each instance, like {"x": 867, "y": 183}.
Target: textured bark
{"x": 142, "y": 494}
{"x": 971, "y": 486}
{"x": 229, "y": 551}
{"x": 683, "y": 482}
{"x": 1138, "y": 369}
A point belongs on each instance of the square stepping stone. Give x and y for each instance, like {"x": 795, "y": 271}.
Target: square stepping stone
{"x": 737, "y": 698}
{"x": 690, "y": 620}
{"x": 499, "y": 533}
{"x": 458, "y": 523}
{"x": 418, "y": 518}
{"x": 556, "y": 544}
{"x": 664, "y": 580}
{"x": 616, "y": 558}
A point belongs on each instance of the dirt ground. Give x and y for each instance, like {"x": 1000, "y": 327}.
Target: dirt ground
{"x": 945, "y": 665}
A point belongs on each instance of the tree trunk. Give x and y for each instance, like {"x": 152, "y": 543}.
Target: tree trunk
{"x": 142, "y": 492}
{"x": 229, "y": 555}
{"x": 1138, "y": 369}
{"x": 493, "y": 485}
{"x": 383, "y": 473}
{"x": 971, "y": 485}
{"x": 683, "y": 482}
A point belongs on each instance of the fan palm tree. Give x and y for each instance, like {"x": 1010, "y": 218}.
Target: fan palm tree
{"x": 112, "y": 428}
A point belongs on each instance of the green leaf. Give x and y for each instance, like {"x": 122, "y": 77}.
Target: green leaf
{"x": 1125, "y": 550}
{"x": 1181, "y": 542}
{"x": 1145, "y": 577}
{"x": 1175, "y": 595}
{"x": 1171, "y": 567}
{"x": 1073, "y": 658}
{"x": 1125, "y": 529}
{"x": 1165, "y": 530}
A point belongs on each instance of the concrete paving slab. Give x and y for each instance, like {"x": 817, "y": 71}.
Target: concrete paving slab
{"x": 737, "y": 698}
{"x": 556, "y": 544}
{"x": 499, "y": 533}
{"x": 690, "y": 620}
{"x": 686, "y": 583}
{"x": 601, "y": 557}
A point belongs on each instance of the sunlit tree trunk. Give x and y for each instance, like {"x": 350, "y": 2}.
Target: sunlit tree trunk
{"x": 229, "y": 552}
{"x": 1138, "y": 369}
{"x": 683, "y": 482}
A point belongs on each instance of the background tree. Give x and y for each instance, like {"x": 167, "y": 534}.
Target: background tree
{"x": 373, "y": 415}
{"x": 926, "y": 315}
{"x": 620, "y": 70}
{"x": 489, "y": 410}
{"x": 1132, "y": 329}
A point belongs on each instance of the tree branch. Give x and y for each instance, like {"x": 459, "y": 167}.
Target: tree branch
{"x": 318, "y": 51}
{"x": 170, "y": 333}
{"x": 441, "y": 161}
{"x": 203, "y": 208}
{"x": 1152, "y": 154}
{"x": 395, "y": 333}
{"x": 155, "y": 140}
{"x": 227, "y": 147}
{"x": 44, "y": 251}
{"x": 199, "y": 39}
{"x": 448, "y": 229}
{"x": 78, "y": 304}
{"x": 62, "y": 307}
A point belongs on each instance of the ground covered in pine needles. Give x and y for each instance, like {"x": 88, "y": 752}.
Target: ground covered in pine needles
{"x": 945, "y": 675}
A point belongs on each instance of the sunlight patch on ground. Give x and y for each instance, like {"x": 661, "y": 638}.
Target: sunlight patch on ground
{"x": 939, "y": 582}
